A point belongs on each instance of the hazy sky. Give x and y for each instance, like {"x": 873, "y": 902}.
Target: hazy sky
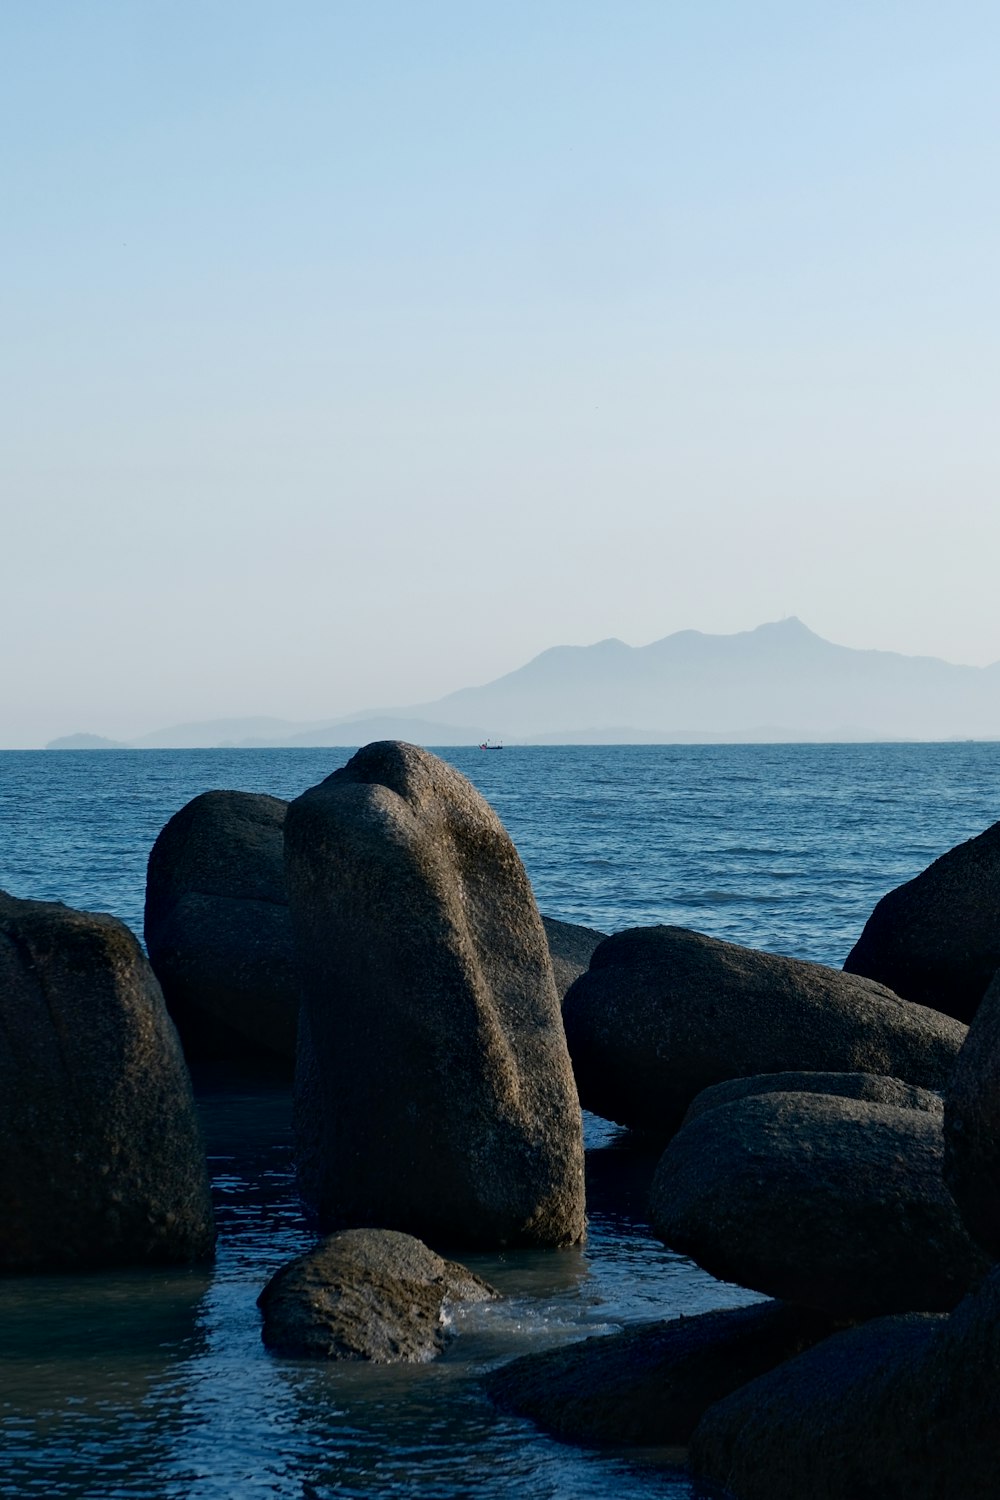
{"x": 355, "y": 352}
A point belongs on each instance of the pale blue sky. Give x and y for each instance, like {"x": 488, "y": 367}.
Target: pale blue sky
{"x": 355, "y": 352}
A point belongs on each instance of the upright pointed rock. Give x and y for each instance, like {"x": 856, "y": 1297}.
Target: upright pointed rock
{"x": 434, "y": 1090}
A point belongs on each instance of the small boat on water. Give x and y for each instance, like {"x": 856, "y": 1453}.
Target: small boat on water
{"x": 491, "y": 745}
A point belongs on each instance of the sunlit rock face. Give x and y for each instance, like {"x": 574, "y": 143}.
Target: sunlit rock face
{"x": 434, "y": 1089}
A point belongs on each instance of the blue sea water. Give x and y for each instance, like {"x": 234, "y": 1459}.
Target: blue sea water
{"x": 157, "y": 1385}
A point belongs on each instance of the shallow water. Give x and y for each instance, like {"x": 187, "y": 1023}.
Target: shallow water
{"x": 153, "y": 1384}
{"x": 157, "y": 1384}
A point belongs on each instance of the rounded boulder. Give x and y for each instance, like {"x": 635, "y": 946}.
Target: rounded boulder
{"x": 217, "y": 927}
{"x": 936, "y": 939}
{"x": 835, "y": 1204}
{"x": 663, "y": 1013}
{"x": 902, "y": 1406}
{"x": 873, "y": 1088}
{"x": 367, "y": 1294}
{"x": 102, "y": 1162}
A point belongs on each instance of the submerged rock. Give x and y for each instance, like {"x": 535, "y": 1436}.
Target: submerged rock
{"x": 900, "y": 1407}
{"x": 835, "y": 1204}
{"x": 102, "y": 1163}
{"x": 972, "y": 1125}
{"x": 872, "y": 1088}
{"x": 434, "y": 1092}
{"x": 217, "y": 926}
{"x": 663, "y": 1013}
{"x": 936, "y": 939}
{"x": 651, "y": 1385}
{"x": 366, "y": 1294}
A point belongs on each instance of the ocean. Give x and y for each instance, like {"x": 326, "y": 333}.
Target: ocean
{"x": 156, "y": 1384}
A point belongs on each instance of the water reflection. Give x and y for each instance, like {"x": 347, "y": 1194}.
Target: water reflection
{"x": 84, "y": 1358}
{"x": 158, "y": 1385}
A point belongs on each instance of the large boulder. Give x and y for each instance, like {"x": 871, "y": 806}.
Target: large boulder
{"x": 836, "y": 1204}
{"x": 903, "y": 1408}
{"x": 651, "y": 1385}
{"x": 219, "y": 933}
{"x": 217, "y": 926}
{"x": 367, "y": 1294}
{"x": 972, "y": 1125}
{"x": 435, "y": 1093}
{"x": 663, "y": 1013}
{"x": 570, "y": 947}
{"x": 936, "y": 939}
{"x": 873, "y": 1088}
{"x": 102, "y": 1162}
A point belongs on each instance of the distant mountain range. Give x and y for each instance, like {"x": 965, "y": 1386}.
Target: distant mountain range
{"x": 780, "y": 682}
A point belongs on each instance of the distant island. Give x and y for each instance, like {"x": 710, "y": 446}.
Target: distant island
{"x": 779, "y": 683}
{"x": 85, "y": 742}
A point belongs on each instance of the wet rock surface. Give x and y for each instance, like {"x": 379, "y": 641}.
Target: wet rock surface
{"x": 366, "y": 1294}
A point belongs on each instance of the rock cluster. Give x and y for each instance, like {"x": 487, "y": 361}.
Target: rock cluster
{"x": 901, "y": 1406}
{"x": 832, "y": 1144}
{"x": 219, "y": 933}
{"x": 856, "y": 1197}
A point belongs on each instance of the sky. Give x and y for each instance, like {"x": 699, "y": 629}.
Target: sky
{"x": 355, "y": 351}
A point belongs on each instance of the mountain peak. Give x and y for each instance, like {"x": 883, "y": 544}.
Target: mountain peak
{"x": 791, "y": 627}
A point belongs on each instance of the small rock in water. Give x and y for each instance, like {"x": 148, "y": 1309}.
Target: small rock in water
{"x": 571, "y": 948}
{"x": 366, "y": 1294}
